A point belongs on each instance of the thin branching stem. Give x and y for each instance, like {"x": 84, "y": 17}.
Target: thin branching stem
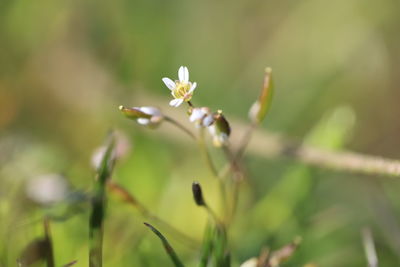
{"x": 213, "y": 169}
{"x": 128, "y": 198}
{"x": 180, "y": 126}
{"x": 244, "y": 142}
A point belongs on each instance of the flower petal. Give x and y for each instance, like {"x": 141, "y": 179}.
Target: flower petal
{"x": 194, "y": 85}
{"x": 186, "y": 75}
{"x": 181, "y": 73}
{"x": 208, "y": 120}
{"x": 169, "y": 83}
{"x": 143, "y": 121}
{"x": 173, "y": 102}
{"x": 176, "y": 102}
{"x": 151, "y": 111}
{"x": 197, "y": 114}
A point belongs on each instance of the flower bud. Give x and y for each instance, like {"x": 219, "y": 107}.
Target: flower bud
{"x": 222, "y": 124}
{"x": 202, "y": 117}
{"x": 260, "y": 108}
{"x": 220, "y": 130}
{"x": 148, "y": 116}
{"x": 198, "y": 194}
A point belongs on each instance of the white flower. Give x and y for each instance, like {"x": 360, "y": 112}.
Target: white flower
{"x": 202, "y": 117}
{"x": 47, "y": 189}
{"x": 182, "y": 89}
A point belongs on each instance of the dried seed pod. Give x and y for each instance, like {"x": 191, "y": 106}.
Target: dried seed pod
{"x": 148, "y": 116}
{"x": 260, "y": 108}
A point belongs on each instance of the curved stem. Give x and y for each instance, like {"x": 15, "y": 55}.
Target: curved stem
{"x": 213, "y": 169}
{"x": 128, "y": 198}
{"x": 206, "y": 153}
{"x": 180, "y": 126}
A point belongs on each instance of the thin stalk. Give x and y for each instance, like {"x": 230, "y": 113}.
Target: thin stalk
{"x": 213, "y": 169}
{"x": 244, "y": 142}
{"x": 49, "y": 243}
{"x": 98, "y": 208}
{"x": 369, "y": 247}
{"x": 180, "y": 126}
{"x": 206, "y": 153}
{"x": 146, "y": 213}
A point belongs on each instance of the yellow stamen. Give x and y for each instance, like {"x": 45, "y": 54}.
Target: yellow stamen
{"x": 181, "y": 91}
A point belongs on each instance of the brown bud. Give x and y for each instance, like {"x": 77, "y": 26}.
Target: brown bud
{"x": 198, "y": 194}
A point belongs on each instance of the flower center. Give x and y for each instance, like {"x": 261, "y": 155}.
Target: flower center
{"x": 181, "y": 90}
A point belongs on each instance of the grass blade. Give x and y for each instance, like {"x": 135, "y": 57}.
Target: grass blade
{"x": 167, "y": 246}
{"x": 221, "y": 254}
{"x": 98, "y": 206}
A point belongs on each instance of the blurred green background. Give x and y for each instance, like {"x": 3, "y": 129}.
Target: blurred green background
{"x": 66, "y": 66}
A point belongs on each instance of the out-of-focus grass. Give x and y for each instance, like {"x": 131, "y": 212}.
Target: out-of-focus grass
{"x": 66, "y": 66}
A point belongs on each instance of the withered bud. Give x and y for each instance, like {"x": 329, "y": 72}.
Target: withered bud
{"x": 134, "y": 113}
{"x": 222, "y": 124}
{"x": 219, "y": 130}
{"x": 198, "y": 194}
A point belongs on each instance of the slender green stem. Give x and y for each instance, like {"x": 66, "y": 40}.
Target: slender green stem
{"x": 206, "y": 153}
{"x": 245, "y": 141}
{"x": 49, "y": 243}
{"x": 180, "y": 126}
{"x": 128, "y": 198}
{"x": 98, "y": 208}
{"x": 213, "y": 169}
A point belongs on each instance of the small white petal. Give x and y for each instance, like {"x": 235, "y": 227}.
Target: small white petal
{"x": 208, "y": 120}
{"x": 185, "y": 75}
{"x": 169, "y": 83}
{"x": 181, "y": 74}
{"x": 143, "y": 121}
{"x": 194, "y": 85}
{"x": 151, "y": 111}
{"x": 173, "y": 102}
{"x": 176, "y": 102}
{"x": 197, "y": 114}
